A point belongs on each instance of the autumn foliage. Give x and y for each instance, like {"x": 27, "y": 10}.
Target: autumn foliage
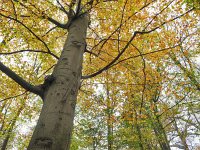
{"x": 140, "y": 76}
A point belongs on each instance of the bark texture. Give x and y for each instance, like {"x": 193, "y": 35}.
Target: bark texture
{"x": 54, "y": 128}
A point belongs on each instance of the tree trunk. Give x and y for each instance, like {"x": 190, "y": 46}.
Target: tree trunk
{"x": 54, "y": 128}
{"x": 138, "y": 129}
{"x": 11, "y": 126}
{"x": 159, "y": 130}
{"x": 109, "y": 114}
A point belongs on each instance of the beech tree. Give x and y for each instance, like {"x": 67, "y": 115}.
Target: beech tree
{"x": 132, "y": 61}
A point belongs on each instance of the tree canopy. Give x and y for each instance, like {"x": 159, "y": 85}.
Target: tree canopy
{"x": 140, "y": 79}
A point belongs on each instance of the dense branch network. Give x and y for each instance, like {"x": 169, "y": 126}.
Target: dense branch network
{"x": 71, "y": 16}
{"x": 129, "y": 42}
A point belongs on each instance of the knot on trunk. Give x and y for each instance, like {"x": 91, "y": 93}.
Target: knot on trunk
{"x": 44, "y": 142}
{"x": 47, "y": 82}
{"x": 78, "y": 44}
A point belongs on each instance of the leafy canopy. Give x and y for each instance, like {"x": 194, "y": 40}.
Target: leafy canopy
{"x": 140, "y": 82}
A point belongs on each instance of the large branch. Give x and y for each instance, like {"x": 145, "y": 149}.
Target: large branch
{"x": 119, "y": 55}
{"x": 58, "y": 24}
{"x": 113, "y": 61}
{"x": 34, "y": 89}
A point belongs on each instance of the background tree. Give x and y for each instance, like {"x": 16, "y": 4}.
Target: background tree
{"x": 140, "y": 80}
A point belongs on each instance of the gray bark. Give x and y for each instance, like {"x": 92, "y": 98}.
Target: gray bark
{"x": 54, "y": 128}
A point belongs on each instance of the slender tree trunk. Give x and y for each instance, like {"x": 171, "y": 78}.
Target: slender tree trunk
{"x": 109, "y": 132}
{"x": 54, "y": 128}
{"x": 159, "y": 130}
{"x": 5, "y": 142}
{"x": 109, "y": 120}
{"x": 138, "y": 131}
{"x": 94, "y": 143}
{"x": 182, "y": 136}
{"x": 10, "y": 129}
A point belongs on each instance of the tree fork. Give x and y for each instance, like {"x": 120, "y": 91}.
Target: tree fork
{"x": 56, "y": 119}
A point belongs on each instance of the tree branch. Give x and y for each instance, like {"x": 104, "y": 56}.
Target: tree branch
{"x": 122, "y": 23}
{"x": 58, "y": 24}
{"x": 13, "y": 96}
{"x": 143, "y": 54}
{"x": 113, "y": 61}
{"x": 145, "y": 78}
{"x": 118, "y": 56}
{"x": 34, "y": 89}
{"x": 129, "y": 42}
{"x": 29, "y": 50}
{"x": 157, "y": 14}
{"x": 37, "y": 37}
{"x": 87, "y": 51}
{"x": 62, "y": 8}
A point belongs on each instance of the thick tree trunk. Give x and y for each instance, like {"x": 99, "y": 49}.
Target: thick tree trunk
{"x": 54, "y": 128}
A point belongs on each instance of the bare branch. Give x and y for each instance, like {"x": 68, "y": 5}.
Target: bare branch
{"x": 13, "y": 96}
{"x": 29, "y": 50}
{"x": 87, "y": 51}
{"x": 160, "y": 50}
{"x": 62, "y": 8}
{"x": 157, "y": 15}
{"x": 46, "y": 71}
{"x": 58, "y": 24}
